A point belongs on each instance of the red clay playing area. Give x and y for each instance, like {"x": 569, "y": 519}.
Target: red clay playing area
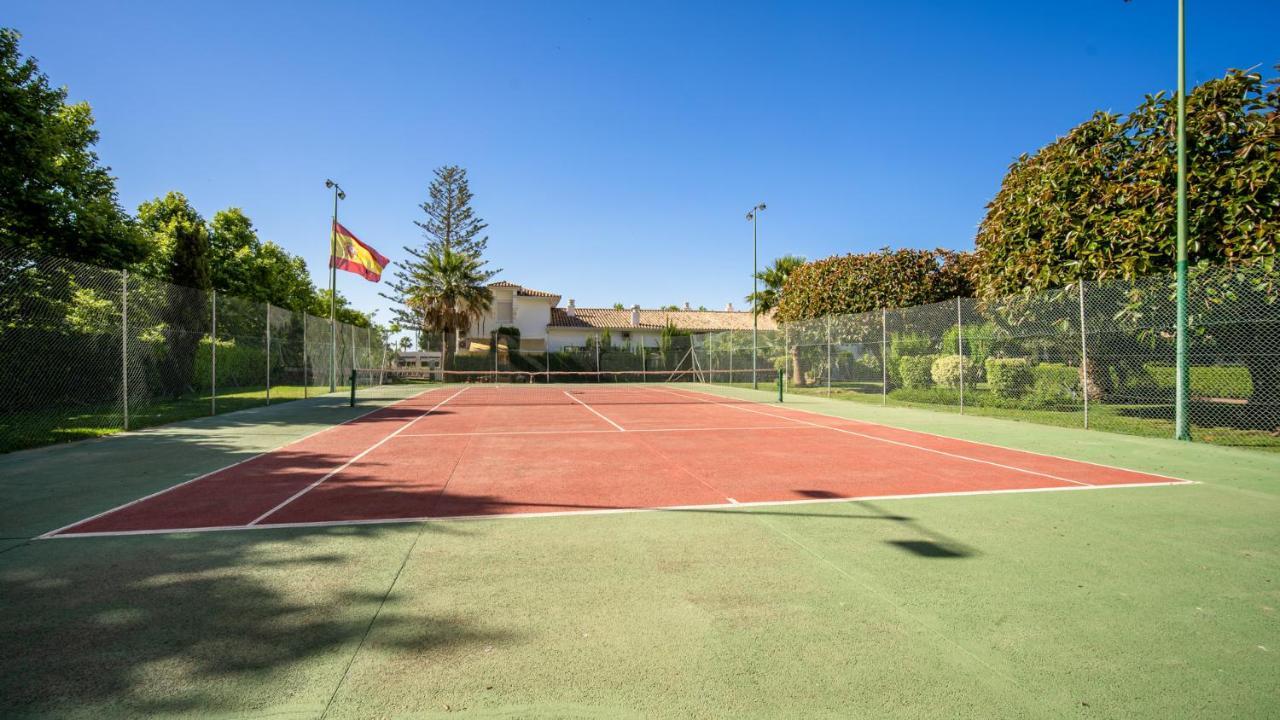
{"x": 486, "y": 450}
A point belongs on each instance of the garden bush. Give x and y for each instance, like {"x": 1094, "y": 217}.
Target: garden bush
{"x": 915, "y": 371}
{"x": 1009, "y": 377}
{"x": 947, "y": 370}
{"x": 1055, "y": 384}
{"x": 903, "y": 345}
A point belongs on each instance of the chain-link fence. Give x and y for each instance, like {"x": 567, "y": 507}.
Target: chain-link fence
{"x": 87, "y": 351}
{"x": 1094, "y": 355}
{"x": 592, "y": 362}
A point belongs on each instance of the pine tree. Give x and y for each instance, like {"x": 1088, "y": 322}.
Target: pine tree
{"x": 451, "y": 228}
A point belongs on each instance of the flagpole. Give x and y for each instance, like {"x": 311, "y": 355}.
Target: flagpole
{"x": 338, "y": 194}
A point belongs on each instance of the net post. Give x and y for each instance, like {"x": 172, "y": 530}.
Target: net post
{"x": 960, "y": 351}
{"x": 786, "y": 352}
{"x": 213, "y": 356}
{"x": 353, "y": 346}
{"x": 268, "y": 353}
{"x": 1084, "y": 359}
{"x": 353, "y": 386}
{"x": 306, "y": 375}
{"x": 884, "y": 357}
{"x": 782, "y": 373}
{"x": 124, "y": 345}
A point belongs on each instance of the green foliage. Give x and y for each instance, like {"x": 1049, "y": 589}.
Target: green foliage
{"x": 916, "y": 371}
{"x": 510, "y": 334}
{"x": 774, "y": 278}
{"x": 444, "y": 293}
{"x": 979, "y": 342}
{"x": 55, "y": 197}
{"x": 235, "y": 364}
{"x": 947, "y": 370}
{"x": 1099, "y": 202}
{"x": 904, "y": 344}
{"x": 1054, "y": 385}
{"x": 885, "y": 279}
{"x": 1008, "y": 377}
{"x": 451, "y": 222}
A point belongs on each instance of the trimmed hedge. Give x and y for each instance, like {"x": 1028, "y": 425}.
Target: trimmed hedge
{"x": 946, "y": 371}
{"x": 916, "y": 371}
{"x": 1009, "y": 377}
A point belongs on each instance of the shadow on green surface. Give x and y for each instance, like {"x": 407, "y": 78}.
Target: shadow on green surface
{"x": 180, "y": 623}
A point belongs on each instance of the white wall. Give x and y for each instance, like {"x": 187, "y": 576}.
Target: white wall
{"x": 533, "y": 314}
{"x": 577, "y": 337}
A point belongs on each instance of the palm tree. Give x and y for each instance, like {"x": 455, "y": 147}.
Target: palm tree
{"x": 447, "y": 295}
{"x": 773, "y": 277}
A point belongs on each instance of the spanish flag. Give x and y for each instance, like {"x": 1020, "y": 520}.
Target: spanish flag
{"x": 354, "y": 256}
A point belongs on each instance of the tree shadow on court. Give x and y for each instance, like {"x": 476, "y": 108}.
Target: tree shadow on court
{"x": 231, "y": 623}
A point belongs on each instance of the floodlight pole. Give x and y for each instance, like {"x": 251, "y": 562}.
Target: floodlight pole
{"x": 753, "y": 215}
{"x": 1182, "y": 429}
{"x": 338, "y": 194}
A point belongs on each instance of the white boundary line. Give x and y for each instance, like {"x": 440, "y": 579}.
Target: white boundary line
{"x": 347, "y": 464}
{"x": 603, "y": 432}
{"x": 224, "y": 467}
{"x": 903, "y": 444}
{"x": 611, "y": 511}
{"x": 598, "y": 414}
{"x": 944, "y": 437}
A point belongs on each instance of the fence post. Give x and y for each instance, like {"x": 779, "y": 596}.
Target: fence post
{"x": 306, "y": 374}
{"x": 786, "y": 357}
{"x": 268, "y": 353}
{"x": 1084, "y": 359}
{"x": 213, "y": 357}
{"x": 124, "y": 344}
{"x": 884, "y": 356}
{"x": 960, "y": 351}
{"x": 829, "y": 368}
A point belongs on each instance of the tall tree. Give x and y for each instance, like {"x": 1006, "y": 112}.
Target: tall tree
{"x": 55, "y": 196}
{"x": 451, "y": 222}
{"x": 179, "y": 241}
{"x": 452, "y": 233}
{"x": 774, "y": 277}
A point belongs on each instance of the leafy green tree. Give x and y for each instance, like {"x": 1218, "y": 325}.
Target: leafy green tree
{"x": 179, "y": 241}
{"x": 1100, "y": 202}
{"x": 774, "y": 278}
{"x": 55, "y": 197}
{"x": 886, "y": 279}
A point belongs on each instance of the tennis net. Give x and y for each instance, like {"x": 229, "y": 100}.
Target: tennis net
{"x": 524, "y": 387}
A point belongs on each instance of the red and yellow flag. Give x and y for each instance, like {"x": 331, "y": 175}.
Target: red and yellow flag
{"x": 352, "y": 255}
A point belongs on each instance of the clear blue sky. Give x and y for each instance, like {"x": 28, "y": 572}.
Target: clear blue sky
{"x": 614, "y": 149}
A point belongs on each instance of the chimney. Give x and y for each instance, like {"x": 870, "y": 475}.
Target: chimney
{"x": 686, "y": 305}
{"x": 727, "y": 308}
{"x": 635, "y": 316}
{"x": 571, "y": 311}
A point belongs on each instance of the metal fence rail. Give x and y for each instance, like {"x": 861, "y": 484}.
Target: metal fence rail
{"x": 86, "y": 351}
{"x": 1095, "y": 355}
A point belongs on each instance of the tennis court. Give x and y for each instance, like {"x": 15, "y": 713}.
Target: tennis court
{"x": 470, "y": 450}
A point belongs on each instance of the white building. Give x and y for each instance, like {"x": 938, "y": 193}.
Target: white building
{"x": 543, "y": 325}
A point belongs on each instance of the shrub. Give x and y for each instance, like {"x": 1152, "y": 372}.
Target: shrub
{"x": 946, "y": 371}
{"x": 1055, "y": 384}
{"x": 902, "y": 345}
{"x": 915, "y": 371}
{"x": 978, "y": 342}
{"x": 1009, "y": 377}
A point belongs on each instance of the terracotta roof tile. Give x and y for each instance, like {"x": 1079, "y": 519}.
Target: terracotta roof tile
{"x": 522, "y": 290}
{"x": 696, "y": 320}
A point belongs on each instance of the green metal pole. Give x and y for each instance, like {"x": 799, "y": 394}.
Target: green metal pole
{"x": 780, "y": 382}
{"x": 1182, "y": 425}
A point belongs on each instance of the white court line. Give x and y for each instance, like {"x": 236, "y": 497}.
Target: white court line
{"x": 609, "y": 511}
{"x": 900, "y": 443}
{"x": 605, "y": 432}
{"x": 224, "y": 467}
{"x": 949, "y": 437}
{"x": 571, "y": 397}
{"x": 347, "y": 464}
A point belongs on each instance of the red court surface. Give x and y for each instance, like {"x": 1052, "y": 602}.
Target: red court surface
{"x": 488, "y": 450}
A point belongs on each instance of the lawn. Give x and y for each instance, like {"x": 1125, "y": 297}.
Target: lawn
{"x": 58, "y": 423}
{"x": 1137, "y": 603}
